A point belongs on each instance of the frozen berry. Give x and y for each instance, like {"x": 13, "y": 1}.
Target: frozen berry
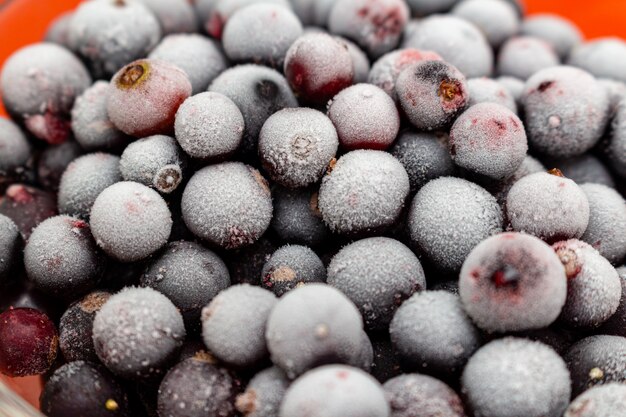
{"x": 422, "y": 8}
{"x": 222, "y": 10}
{"x": 297, "y": 145}
{"x": 175, "y": 16}
{"x": 39, "y": 85}
{"x": 523, "y": 56}
{"x": 263, "y": 394}
{"x": 488, "y": 140}
{"x": 583, "y": 169}
{"x": 364, "y": 192}
{"x": 529, "y": 166}
{"x": 431, "y": 333}
{"x": 10, "y": 249}
{"x": 514, "y": 86}
{"x": 53, "y": 162}
{"x": 137, "y": 333}
{"x": 246, "y": 263}
{"x": 549, "y": 206}
{"x": 432, "y": 94}
{"x": 290, "y": 267}
{"x": 449, "y": 217}
{"x": 130, "y": 221}
{"x": 497, "y": 19}
{"x": 27, "y": 207}
{"x": 59, "y": 29}
{"x": 617, "y": 143}
{"x": 486, "y": 90}
{"x": 15, "y": 148}
{"x": 559, "y": 32}
{"x": 360, "y": 61}
{"x": 84, "y": 179}
{"x": 616, "y": 91}
{"x": 145, "y": 96}
{"x": 604, "y": 57}
{"x": 28, "y": 342}
{"x": 512, "y": 282}
{"x": 228, "y": 204}
{"x": 602, "y": 401}
{"x": 616, "y": 324}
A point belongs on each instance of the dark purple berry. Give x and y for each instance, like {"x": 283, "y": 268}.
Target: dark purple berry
{"x": 53, "y": 162}
{"x": 290, "y": 267}
{"x": 616, "y": 324}
{"x": 264, "y": 394}
{"x": 27, "y": 207}
{"x": 583, "y": 169}
{"x": 10, "y": 250}
{"x": 487, "y": 90}
{"x": 16, "y": 150}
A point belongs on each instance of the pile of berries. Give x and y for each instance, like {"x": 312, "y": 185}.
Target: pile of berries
{"x": 315, "y": 208}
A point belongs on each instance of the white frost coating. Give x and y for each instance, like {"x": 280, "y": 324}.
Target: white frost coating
{"x": 263, "y": 394}
{"x": 529, "y": 166}
{"x": 297, "y": 145}
{"x": 130, "y": 221}
{"x": 458, "y": 41}
{"x": 514, "y": 86}
{"x": 335, "y": 390}
{"x": 513, "y": 377}
{"x": 599, "y": 401}
{"x": 582, "y": 169}
{"x": 606, "y": 231}
{"x": 523, "y": 56}
{"x": 290, "y": 267}
{"x": 222, "y": 10}
{"x": 136, "y": 331}
{"x": 604, "y": 58}
{"x": 9, "y": 245}
{"x": 497, "y": 19}
{"x": 487, "y": 90}
{"x": 199, "y": 56}
{"x": 297, "y": 218}
{"x": 14, "y": 147}
{"x": 233, "y": 324}
{"x": 422, "y": 8}
{"x": 449, "y": 217}
{"x": 228, "y": 204}
{"x": 617, "y": 145}
{"x": 175, "y": 16}
{"x": 559, "y": 32}
{"x": 360, "y": 61}
{"x": 548, "y": 206}
{"x": 365, "y": 191}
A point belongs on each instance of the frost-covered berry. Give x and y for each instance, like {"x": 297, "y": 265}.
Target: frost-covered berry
{"x": 261, "y": 33}
{"x": 311, "y": 326}
{"x": 174, "y": 16}
{"x": 488, "y": 140}
{"x": 27, "y": 207}
{"x": 422, "y": 8}
{"x": 593, "y": 285}
{"x": 364, "y": 192}
{"x": 234, "y": 322}
{"x": 549, "y": 206}
{"x": 290, "y": 267}
{"x": 560, "y": 33}
{"x": 514, "y": 86}
{"x": 145, "y": 96}
{"x": 553, "y": 100}
{"x": 604, "y": 58}
{"x": 130, "y": 221}
{"x": 377, "y": 274}
{"x": 58, "y": 30}
{"x": 10, "y": 248}
{"x": 16, "y": 150}
{"x": 62, "y": 259}
{"x": 189, "y": 275}
{"x": 516, "y": 377}
{"x": 602, "y": 401}
{"x": 227, "y": 204}
{"x": 412, "y": 395}
{"x": 365, "y": 117}
{"x": 487, "y": 90}
{"x": 432, "y": 94}
{"x": 137, "y": 333}
{"x": 457, "y": 41}
{"x": 360, "y": 61}
{"x": 616, "y": 150}
{"x": 497, "y": 19}
{"x": 425, "y": 157}
{"x": 263, "y": 394}
{"x": 449, "y": 217}
{"x": 596, "y": 360}
{"x": 222, "y": 10}
{"x": 200, "y": 57}
{"x": 431, "y": 333}
{"x": 375, "y": 25}
{"x": 583, "y": 169}
{"x": 335, "y": 390}
{"x": 317, "y": 67}
{"x": 84, "y": 179}
{"x": 109, "y": 34}
{"x": 523, "y": 56}
{"x": 39, "y": 85}
{"x": 53, "y": 162}
{"x": 616, "y": 324}
{"x": 512, "y": 282}
{"x": 529, "y": 166}
{"x": 155, "y": 161}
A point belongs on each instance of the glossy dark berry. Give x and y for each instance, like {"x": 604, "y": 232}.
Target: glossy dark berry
{"x": 604, "y": 57}
{"x": 53, "y": 162}
{"x": 616, "y": 324}
{"x": 558, "y": 31}
{"x": 10, "y": 249}
{"x": 27, "y": 207}
{"x": 497, "y": 19}
{"x": 523, "y": 56}
{"x": 487, "y": 90}
{"x": 16, "y": 150}
{"x": 174, "y": 16}
{"x": 264, "y": 394}
{"x": 602, "y": 401}
{"x": 28, "y": 342}
{"x": 290, "y": 267}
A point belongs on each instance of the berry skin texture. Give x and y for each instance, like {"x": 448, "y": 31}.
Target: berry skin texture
{"x": 431, "y": 333}
{"x": 377, "y": 274}
{"x": 263, "y": 394}
{"x": 411, "y": 395}
{"x": 61, "y": 257}
{"x": 53, "y": 162}
{"x": 596, "y": 360}
{"x": 27, "y": 207}
{"x": 130, "y": 221}
{"x": 516, "y": 377}
{"x": 514, "y": 85}
{"x": 297, "y": 145}
{"x": 16, "y": 150}
{"x": 553, "y": 101}
{"x": 364, "y": 192}
{"x": 602, "y": 401}
{"x": 233, "y": 325}
{"x": 529, "y": 166}
{"x": 155, "y": 161}
{"x": 311, "y": 326}
{"x": 365, "y": 117}
{"x": 449, "y": 217}
{"x": 375, "y": 25}
{"x": 222, "y": 10}
{"x": 196, "y": 387}
{"x": 548, "y": 206}
{"x": 190, "y": 276}
{"x": 83, "y": 389}
{"x": 593, "y": 285}
{"x": 487, "y": 90}
{"x": 432, "y": 94}
{"x": 616, "y": 324}
{"x": 28, "y": 342}
{"x": 360, "y": 61}
{"x": 583, "y": 169}
{"x": 335, "y": 390}
{"x": 318, "y": 67}
{"x": 58, "y": 30}
{"x": 228, "y": 205}
{"x": 604, "y": 58}
{"x": 174, "y": 16}
{"x": 10, "y": 249}
{"x": 488, "y": 140}
{"x": 523, "y": 56}
{"x": 83, "y": 181}
{"x": 137, "y": 333}
{"x": 512, "y": 282}
{"x": 559, "y": 32}
{"x": 617, "y": 144}
{"x": 497, "y": 19}
{"x": 39, "y": 84}
{"x": 290, "y": 267}
{"x": 145, "y": 97}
